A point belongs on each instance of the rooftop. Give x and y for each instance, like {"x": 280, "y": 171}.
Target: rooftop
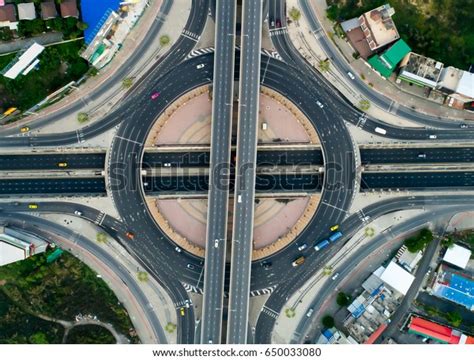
{"x": 449, "y": 78}
{"x": 386, "y": 63}
{"x": 8, "y": 13}
{"x": 458, "y": 256}
{"x": 23, "y": 61}
{"x": 421, "y": 68}
{"x": 378, "y": 26}
{"x": 466, "y": 85}
{"x": 94, "y": 14}
{"x": 69, "y": 8}
{"x": 397, "y": 277}
{"x": 26, "y": 11}
{"x": 48, "y": 10}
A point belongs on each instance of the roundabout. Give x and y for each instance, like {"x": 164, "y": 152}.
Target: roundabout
{"x": 126, "y": 186}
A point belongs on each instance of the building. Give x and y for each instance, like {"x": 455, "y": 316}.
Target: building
{"x": 397, "y": 278}
{"x": 16, "y": 246}
{"x": 454, "y": 286}
{"x": 385, "y": 64}
{"x": 408, "y": 259}
{"x": 48, "y": 10}
{"x": 437, "y": 332}
{"x": 95, "y": 15}
{"x": 372, "y": 30}
{"x": 457, "y": 255}
{"x": 420, "y": 70}
{"x": 23, "y": 63}
{"x": 26, "y": 11}
{"x": 68, "y": 8}
{"x": 459, "y": 86}
{"x": 334, "y": 336}
{"x": 8, "y": 16}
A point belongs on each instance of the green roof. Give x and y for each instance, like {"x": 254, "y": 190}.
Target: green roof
{"x": 386, "y": 63}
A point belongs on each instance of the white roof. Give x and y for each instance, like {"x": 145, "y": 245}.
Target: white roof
{"x": 24, "y": 61}
{"x": 466, "y": 85}
{"x": 10, "y": 253}
{"x": 350, "y": 24}
{"x": 457, "y": 255}
{"x": 26, "y": 11}
{"x": 397, "y": 277}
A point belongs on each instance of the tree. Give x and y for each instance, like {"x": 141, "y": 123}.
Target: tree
{"x": 82, "y": 117}
{"x": 127, "y": 82}
{"x": 364, "y": 105}
{"x": 81, "y": 25}
{"x": 327, "y": 321}
{"x": 164, "y": 40}
{"x": 333, "y": 12}
{"x": 343, "y": 299}
{"x": 454, "y": 318}
{"x": 101, "y": 237}
{"x": 39, "y": 338}
{"x": 324, "y": 65}
{"x": 295, "y": 14}
{"x": 418, "y": 242}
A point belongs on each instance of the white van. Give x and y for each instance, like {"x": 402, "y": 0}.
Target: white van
{"x": 264, "y": 126}
{"x": 380, "y": 131}
{"x": 239, "y": 198}
{"x": 433, "y": 137}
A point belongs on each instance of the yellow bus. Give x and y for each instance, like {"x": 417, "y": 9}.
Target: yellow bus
{"x": 10, "y": 111}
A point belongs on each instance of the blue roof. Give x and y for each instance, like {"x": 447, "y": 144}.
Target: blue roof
{"x": 459, "y": 290}
{"x": 94, "y": 14}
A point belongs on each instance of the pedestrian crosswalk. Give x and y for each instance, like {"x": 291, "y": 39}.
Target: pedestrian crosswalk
{"x": 265, "y": 291}
{"x": 278, "y": 31}
{"x": 210, "y": 50}
{"x": 190, "y": 35}
{"x": 270, "y": 312}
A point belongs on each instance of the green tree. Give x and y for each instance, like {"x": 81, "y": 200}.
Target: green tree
{"x": 164, "y": 40}
{"x": 324, "y": 65}
{"x": 343, "y": 299}
{"x": 333, "y": 12}
{"x": 454, "y": 318}
{"x": 295, "y": 14}
{"x": 82, "y": 117}
{"x": 364, "y": 105}
{"x": 327, "y": 321}
{"x": 418, "y": 242}
{"x": 127, "y": 82}
{"x": 39, "y": 338}
{"x": 81, "y": 25}
{"x": 101, "y": 237}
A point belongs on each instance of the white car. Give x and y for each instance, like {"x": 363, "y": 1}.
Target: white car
{"x": 200, "y": 66}
{"x": 433, "y": 137}
{"x": 302, "y": 247}
{"x": 78, "y": 213}
{"x": 167, "y": 164}
{"x": 350, "y": 75}
{"x": 216, "y": 243}
{"x": 335, "y": 276}
{"x": 319, "y": 104}
{"x": 177, "y": 249}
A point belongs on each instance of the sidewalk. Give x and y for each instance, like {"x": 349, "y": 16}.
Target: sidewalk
{"x": 306, "y": 42}
{"x": 99, "y": 107}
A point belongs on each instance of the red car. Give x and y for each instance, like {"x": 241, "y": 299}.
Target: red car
{"x": 155, "y": 95}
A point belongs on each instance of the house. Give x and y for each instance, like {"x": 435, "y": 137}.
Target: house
{"x": 7, "y": 15}
{"x": 372, "y": 30}
{"x": 26, "y": 11}
{"x": 48, "y": 10}
{"x": 69, "y": 9}
{"x": 386, "y": 63}
{"x": 420, "y": 70}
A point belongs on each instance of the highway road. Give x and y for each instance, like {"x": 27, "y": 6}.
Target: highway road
{"x": 116, "y": 230}
{"x": 49, "y": 230}
{"x": 245, "y": 174}
{"x": 221, "y": 135}
{"x": 315, "y": 260}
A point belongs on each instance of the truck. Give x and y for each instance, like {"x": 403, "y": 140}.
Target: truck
{"x": 335, "y": 236}
{"x": 380, "y": 131}
{"x": 299, "y": 261}
{"x": 321, "y": 245}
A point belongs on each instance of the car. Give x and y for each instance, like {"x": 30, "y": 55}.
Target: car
{"x": 78, "y": 213}
{"x": 190, "y": 266}
{"x": 182, "y": 311}
{"x": 187, "y": 303}
{"x": 62, "y": 164}
{"x": 24, "y": 129}
{"x": 302, "y": 247}
{"x": 272, "y": 23}
{"x": 130, "y": 235}
{"x": 335, "y": 276}
{"x": 433, "y": 137}
{"x": 266, "y": 264}
{"x": 216, "y": 243}
{"x": 32, "y": 206}
{"x": 299, "y": 261}
{"x": 239, "y": 198}
{"x": 319, "y": 104}
{"x": 167, "y": 164}
{"x": 350, "y": 75}
{"x": 334, "y": 227}
{"x": 278, "y": 23}
{"x": 200, "y": 66}
{"x": 155, "y": 95}
{"x": 463, "y": 126}
{"x": 422, "y": 155}
{"x": 177, "y": 249}
{"x": 310, "y": 312}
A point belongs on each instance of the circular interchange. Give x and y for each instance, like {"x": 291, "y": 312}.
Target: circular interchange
{"x": 278, "y": 219}
{"x": 126, "y": 154}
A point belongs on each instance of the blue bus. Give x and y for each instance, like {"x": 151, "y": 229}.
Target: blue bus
{"x": 321, "y": 245}
{"x": 335, "y": 236}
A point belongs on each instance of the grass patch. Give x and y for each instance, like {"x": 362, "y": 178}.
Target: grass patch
{"x": 61, "y": 290}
